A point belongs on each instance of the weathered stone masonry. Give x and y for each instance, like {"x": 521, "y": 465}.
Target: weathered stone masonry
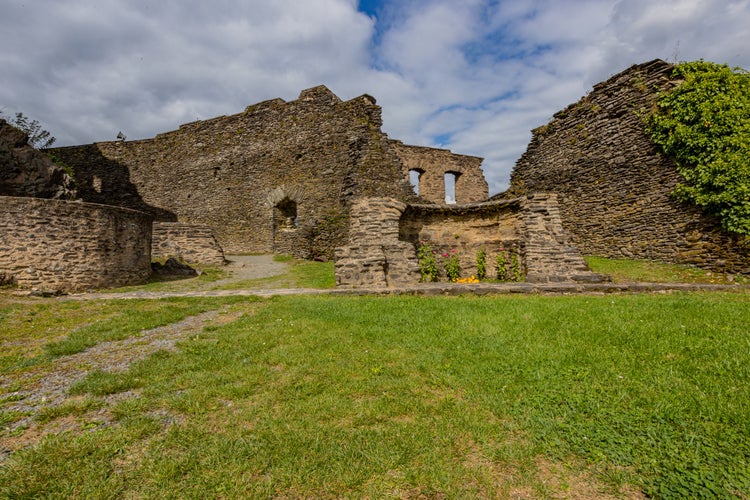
{"x": 432, "y": 164}
{"x": 190, "y": 243}
{"x": 386, "y": 233}
{"x": 278, "y": 177}
{"x": 72, "y": 246}
{"x": 56, "y": 245}
{"x": 614, "y": 186}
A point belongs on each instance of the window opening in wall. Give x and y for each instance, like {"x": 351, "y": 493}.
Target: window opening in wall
{"x": 450, "y": 187}
{"x": 287, "y": 214}
{"x": 96, "y": 183}
{"x": 414, "y": 176}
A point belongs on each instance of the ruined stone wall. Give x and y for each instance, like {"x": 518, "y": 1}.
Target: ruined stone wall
{"x": 614, "y": 186}
{"x": 528, "y": 226}
{"x": 72, "y": 246}
{"x": 464, "y": 230}
{"x": 432, "y": 165}
{"x": 385, "y": 235}
{"x": 191, "y": 243}
{"x": 278, "y": 177}
{"x": 375, "y": 256}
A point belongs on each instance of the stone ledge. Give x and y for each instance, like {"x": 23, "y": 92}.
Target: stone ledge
{"x": 433, "y": 289}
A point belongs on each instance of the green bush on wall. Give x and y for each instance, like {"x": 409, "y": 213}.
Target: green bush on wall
{"x": 704, "y": 124}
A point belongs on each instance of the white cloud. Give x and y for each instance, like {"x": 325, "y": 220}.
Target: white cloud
{"x": 474, "y": 75}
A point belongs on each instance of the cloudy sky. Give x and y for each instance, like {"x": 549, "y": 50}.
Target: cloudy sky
{"x": 473, "y": 76}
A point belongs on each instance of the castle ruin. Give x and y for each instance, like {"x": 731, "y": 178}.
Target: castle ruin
{"x": 318, "y": 179}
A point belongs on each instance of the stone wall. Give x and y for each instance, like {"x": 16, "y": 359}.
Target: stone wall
{"x": 614, "y": 186}
{"x": 72, "y": 246}
{"x": 385, "y": 235}
{"x": 278, "y": 177}
{"x": 432, "y": 165}
{"x": 191, "y": 243}
{"x": 375, "y": 256}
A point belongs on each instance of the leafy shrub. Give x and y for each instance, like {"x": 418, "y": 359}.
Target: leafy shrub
{"x": 481, "y": 264}
{"x": 704, "y": 124}
{"x": 427, "y": 263}
{"x": 451, "y": 265}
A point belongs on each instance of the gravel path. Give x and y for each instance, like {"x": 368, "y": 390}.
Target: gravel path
{"x": 246, "y": 267}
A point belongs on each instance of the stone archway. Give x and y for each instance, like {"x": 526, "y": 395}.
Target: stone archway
{"x": 286, "y": 213}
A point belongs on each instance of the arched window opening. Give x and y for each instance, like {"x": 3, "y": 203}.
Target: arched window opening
{"x": 450, "y": 187}
{"x": 414, "y": 175}
{"x": 286, "y": 214}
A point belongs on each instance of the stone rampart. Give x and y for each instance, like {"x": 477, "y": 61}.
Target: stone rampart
{"x": 72, "y": 246}
{"x": 191, "y": 243}
{"x": 613, "y": 185}
{"x": 278, "y": 177}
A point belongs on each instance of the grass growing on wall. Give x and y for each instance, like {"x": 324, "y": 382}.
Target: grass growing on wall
{"x": 413, "y": 396}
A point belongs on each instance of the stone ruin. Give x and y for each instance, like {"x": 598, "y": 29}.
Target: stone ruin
{"x": 613, "y": 185}
{"x": 385, "y": 234}
{"x": 318, "y": 179}
{"x": 54, "y": 244}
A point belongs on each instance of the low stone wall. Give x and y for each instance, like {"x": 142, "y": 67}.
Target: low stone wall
{"x": 385, "y": 234}
{"x": 191, "y": 243}
{"x": 68, "y": 246}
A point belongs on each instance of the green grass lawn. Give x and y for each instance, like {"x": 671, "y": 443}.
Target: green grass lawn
{"x": 630, "y": 271}
{"x": 525, "y": 397}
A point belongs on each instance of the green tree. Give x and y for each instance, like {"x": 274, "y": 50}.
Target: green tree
{"x": 704, "y": 124}
{"x": 38, "y": 137}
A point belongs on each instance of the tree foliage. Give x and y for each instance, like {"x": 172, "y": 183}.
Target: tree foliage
{"x": 38, "y": 137}
{"x": 704, "y": 124}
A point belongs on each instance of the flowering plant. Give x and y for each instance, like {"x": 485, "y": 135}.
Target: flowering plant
{"x": 451, "y": 265}
{"x": 481, "y": 264}
{"x": 427, "y": 262}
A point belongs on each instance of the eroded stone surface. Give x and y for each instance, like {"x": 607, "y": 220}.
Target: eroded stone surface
{"x": 25, "y": 171}
{"x": 613, "y": 185}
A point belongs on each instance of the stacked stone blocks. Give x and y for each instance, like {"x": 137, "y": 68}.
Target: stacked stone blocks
{"x": 614, "y": 186}
{"x": 190, "y": 243}
{"x": 68, "y": 246}
{"x": 385, "y": 235}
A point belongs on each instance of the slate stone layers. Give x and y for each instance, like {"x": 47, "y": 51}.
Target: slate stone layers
{"x": 190, "y": 243}
{"x": 613, "y": 185}
{"x": 375, "y": 256}
{"x": 278, "y": 177}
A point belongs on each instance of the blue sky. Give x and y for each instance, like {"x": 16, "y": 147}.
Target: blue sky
{"x": 474, "y": 76}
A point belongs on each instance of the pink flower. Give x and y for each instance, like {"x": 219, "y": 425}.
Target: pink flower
{"x": 445, "y": 255}
{"x": 453, "y": 250}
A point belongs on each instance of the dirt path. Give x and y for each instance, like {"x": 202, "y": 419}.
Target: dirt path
{"x": 48, "y": 388}
{"x": 247, "y": 267}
